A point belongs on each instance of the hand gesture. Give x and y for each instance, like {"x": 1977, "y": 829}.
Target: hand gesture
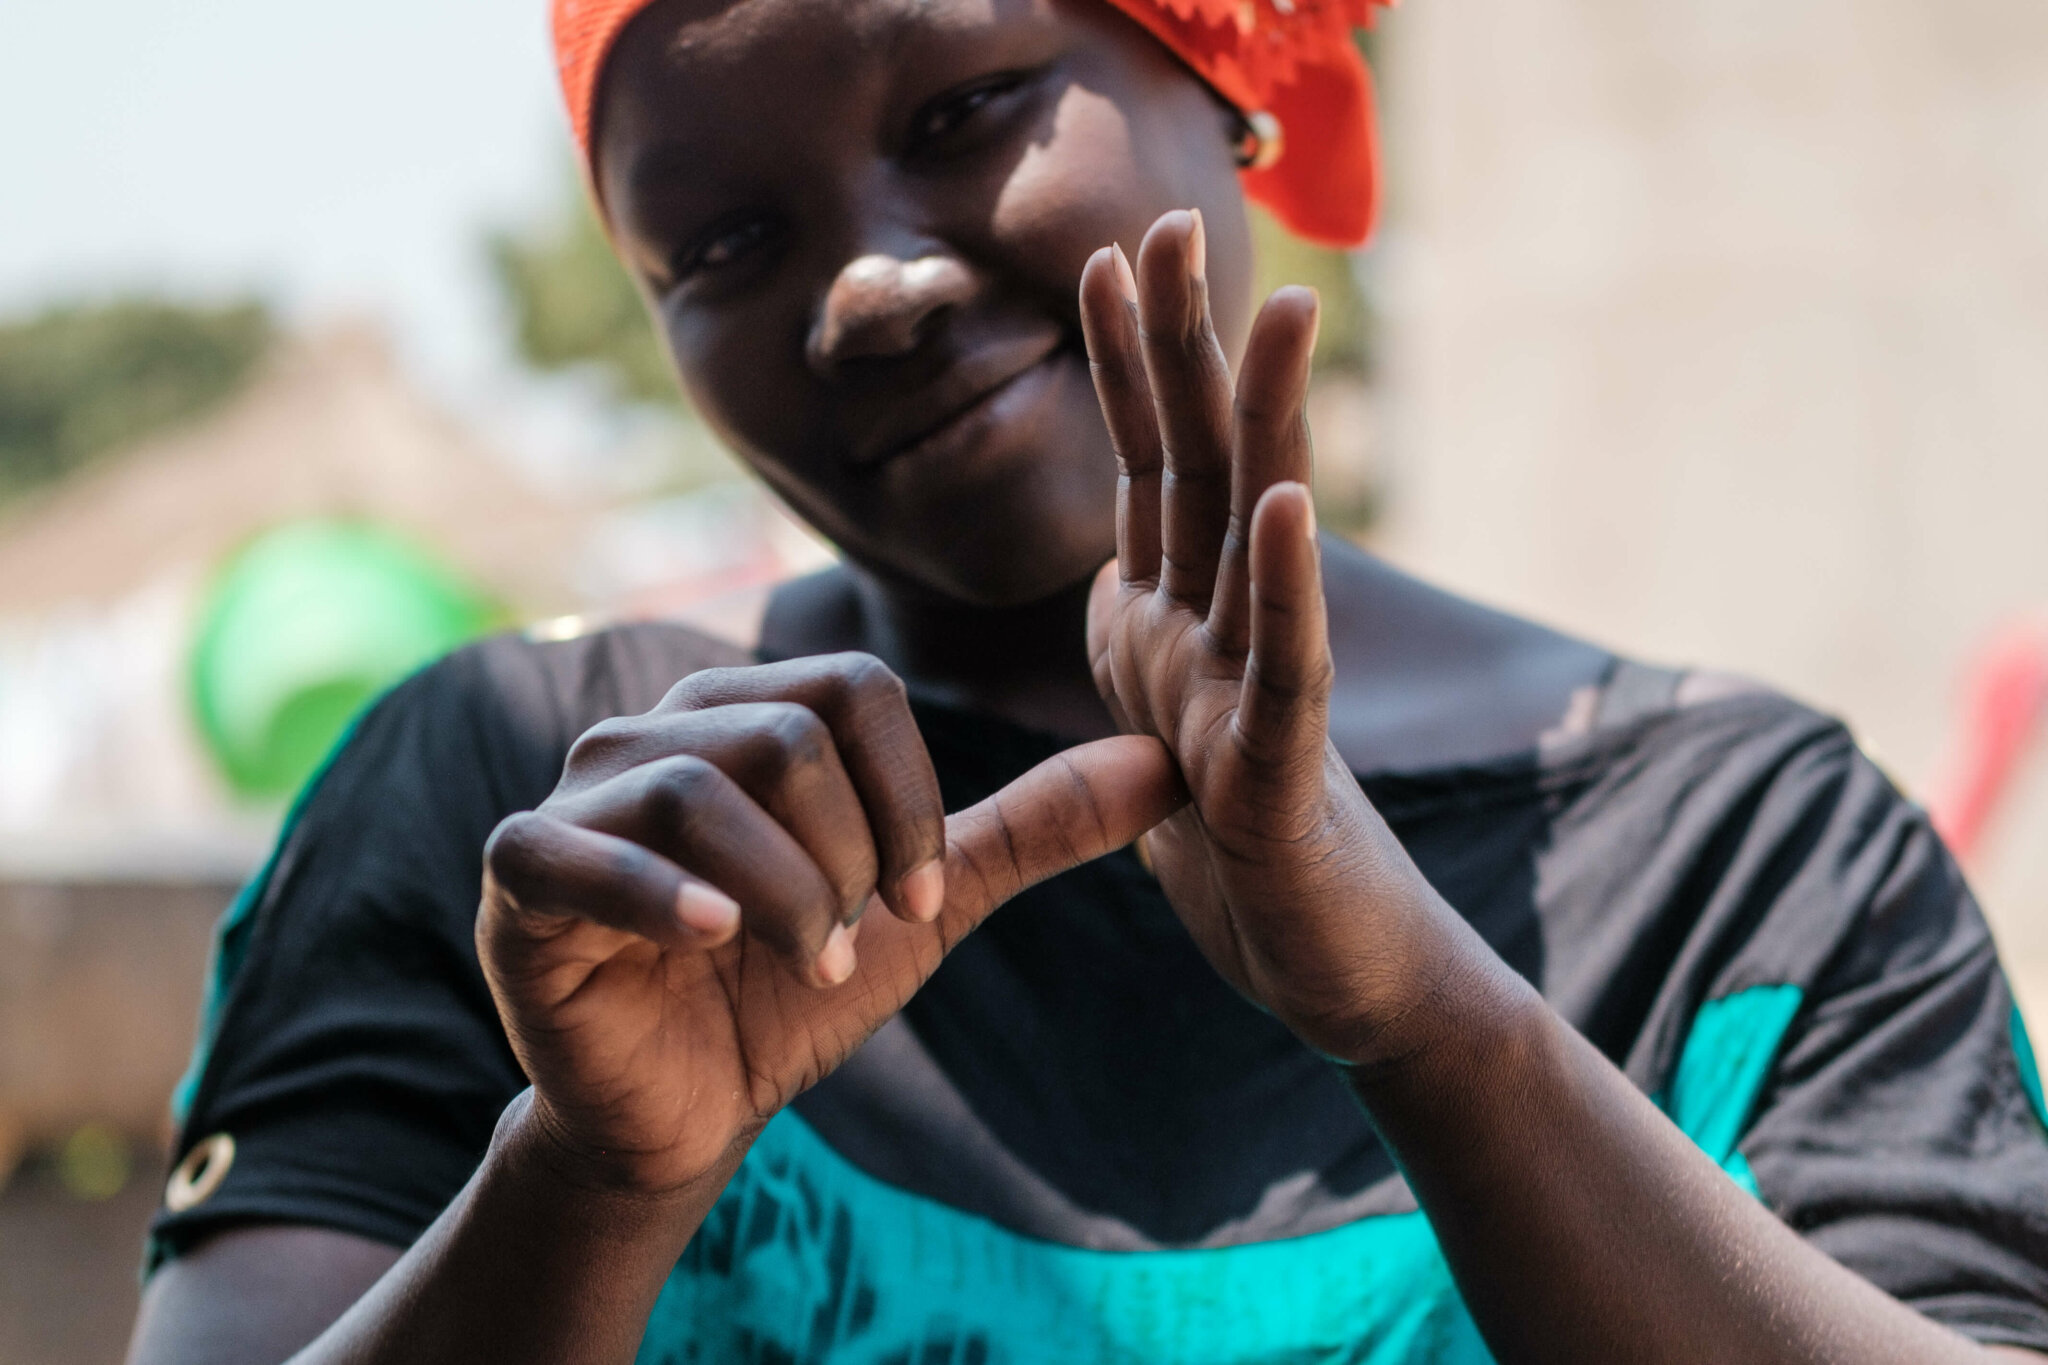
{"x": 676, "y": 939}
{"x": 1209, "y": 631}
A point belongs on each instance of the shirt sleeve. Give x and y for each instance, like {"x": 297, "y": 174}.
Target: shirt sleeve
{"x": 1901, "y": 1132}
{"x": 351, "y": 1052}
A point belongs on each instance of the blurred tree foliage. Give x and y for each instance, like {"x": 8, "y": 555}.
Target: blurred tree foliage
{"x": 79, "y": 381}
{"x": 574, "y": 306}
{"x": 1345, "y": 341}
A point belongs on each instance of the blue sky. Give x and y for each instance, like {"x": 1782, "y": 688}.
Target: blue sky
{"x": 341, "y": 158}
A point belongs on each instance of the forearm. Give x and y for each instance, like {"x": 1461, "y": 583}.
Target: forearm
{"x": 1582, "y": 1225}
{"x": 528, "y": 1264}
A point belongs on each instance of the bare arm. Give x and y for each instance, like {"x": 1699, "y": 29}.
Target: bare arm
{"x": 1580, "y": 1223}
{"x": 253, "y": 1296}
{"x": 525, "y": 1264}
{"x": 671, "y": 943}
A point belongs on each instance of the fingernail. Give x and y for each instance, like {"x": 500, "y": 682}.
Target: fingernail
{"x": 924, "y": 892}
{"x": 1309, "y": 501}
{"x": 1198, "y": 248}
{"x": 705, "y": 910}
{"x": 835, "y": 964}
{"x": 1125, "y": 279}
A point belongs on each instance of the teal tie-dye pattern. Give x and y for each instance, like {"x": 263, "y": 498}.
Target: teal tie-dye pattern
{"x": 2030, "y": 1069}
{"x": 808, "y": 1259}
{"x": 1726, "y": 1060}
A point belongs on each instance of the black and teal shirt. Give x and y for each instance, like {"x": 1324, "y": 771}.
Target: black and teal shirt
{"x": 1077, "y": 1144}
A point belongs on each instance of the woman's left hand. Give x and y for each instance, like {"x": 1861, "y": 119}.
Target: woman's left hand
{"x": 1210, "y": 632}
{"x": 1554, "y": 1186}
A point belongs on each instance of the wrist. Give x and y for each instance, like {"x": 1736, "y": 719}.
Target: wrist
{"x": 1470, "y": 1010}
{"x": 531, "y": 1146}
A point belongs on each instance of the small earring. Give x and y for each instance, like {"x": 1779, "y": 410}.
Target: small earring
{"x": 1262, "y": 142}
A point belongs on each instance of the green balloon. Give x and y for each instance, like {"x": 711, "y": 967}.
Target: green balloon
{"x": 302, "y": 629}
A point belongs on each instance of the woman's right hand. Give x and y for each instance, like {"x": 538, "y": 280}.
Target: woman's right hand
{"x": 671, "y": 938}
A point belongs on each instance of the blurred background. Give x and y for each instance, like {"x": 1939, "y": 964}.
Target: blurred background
{"x": 1716, "y": 333}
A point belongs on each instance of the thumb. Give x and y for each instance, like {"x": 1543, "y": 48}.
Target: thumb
{"x": 1069, "y": 810}
{"x": 1102, "y": 607}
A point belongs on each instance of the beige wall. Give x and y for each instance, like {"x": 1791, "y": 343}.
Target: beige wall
{"x": 1720, "y": 333}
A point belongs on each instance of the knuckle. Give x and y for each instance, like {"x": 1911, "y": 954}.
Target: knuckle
{"x": 795, "y": 736}
{"x": 860, "y": 680}
{"x": 676, "y": 787}
{"x": 774, "y": 740}
{"x": 514, "y": 853}
{"x": 604, "y": 744}
{"x": 706, "y": 687}
{"x": 681, "y": 697}
{"x": 508, "y": 842}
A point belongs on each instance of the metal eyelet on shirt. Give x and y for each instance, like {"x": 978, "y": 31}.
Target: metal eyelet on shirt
{"x": 200, "y": 1173}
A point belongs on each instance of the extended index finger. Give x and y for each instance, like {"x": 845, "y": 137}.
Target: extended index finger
{"x": 1109, "y": 324}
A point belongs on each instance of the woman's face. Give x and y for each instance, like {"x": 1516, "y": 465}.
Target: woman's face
{"x": 862, "y": 224}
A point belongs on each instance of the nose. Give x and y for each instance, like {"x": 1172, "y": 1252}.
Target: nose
{"x": 883, "y": 305}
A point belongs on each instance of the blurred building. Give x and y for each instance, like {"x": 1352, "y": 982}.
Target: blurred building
{"x": 120, "y": 839}
{"x": 1717, "y": 333}
{"x": 101, "y": 578}
{"x": 1714, "y": 332}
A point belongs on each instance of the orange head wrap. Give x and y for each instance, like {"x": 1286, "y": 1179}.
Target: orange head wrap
{"x": 1289, "y": 65}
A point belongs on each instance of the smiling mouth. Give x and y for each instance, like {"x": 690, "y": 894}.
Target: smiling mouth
{"x": 956, "y": 427}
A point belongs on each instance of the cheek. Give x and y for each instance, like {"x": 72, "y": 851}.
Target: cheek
{"x": 748, "y": 383}
{"x": 1108, "y": 170}
{"x": 1079, "y": 188}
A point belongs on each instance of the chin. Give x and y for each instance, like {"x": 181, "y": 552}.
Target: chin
{"x": 1012, "y": 559}
{"x": 1018, "y": 541}
{"x": 994, "y": 590}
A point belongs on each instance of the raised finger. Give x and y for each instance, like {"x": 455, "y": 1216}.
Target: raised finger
{"x": 875, "y": 736}
{"x": 1283, "y": 709}
{"x": 1109, "y": 323}
{"x": 1270, "y": 422}
{"x": 1190, "y": 380}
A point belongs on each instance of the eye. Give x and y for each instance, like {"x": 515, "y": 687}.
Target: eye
{"x": 721, "y": 247}
{"x": 952, "y": 114}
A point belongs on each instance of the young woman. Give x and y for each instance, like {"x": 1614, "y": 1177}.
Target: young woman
{"x": 1477, "y": 996}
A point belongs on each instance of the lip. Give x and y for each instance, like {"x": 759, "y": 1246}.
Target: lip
{"x": 952, "y": 413}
